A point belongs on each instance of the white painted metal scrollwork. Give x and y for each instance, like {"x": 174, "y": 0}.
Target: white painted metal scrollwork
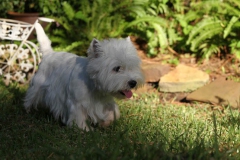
{"x": 18, "y": 61}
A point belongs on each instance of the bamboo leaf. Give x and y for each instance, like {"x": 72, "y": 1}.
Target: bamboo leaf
{"x": 161, "y": 35}
{"x": 81, "y": 15}
{"x": 138, "y": 10}
{"x": 205, "y": 24}
{"x": 68, "y": 10}
{"x": 227, "y": 30}
{"x": 205, "y": 35}
{"x": 207, "y": 50}
{"x": 233, "y": 10}
{"x": 149, "y": 19}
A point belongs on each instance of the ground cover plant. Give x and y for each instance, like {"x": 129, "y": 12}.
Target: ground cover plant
{"x": 148, "y": 129}
{"x": 200, "y": 27}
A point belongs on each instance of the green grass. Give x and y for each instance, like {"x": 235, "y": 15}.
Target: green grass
{"x": 147, "y": 129}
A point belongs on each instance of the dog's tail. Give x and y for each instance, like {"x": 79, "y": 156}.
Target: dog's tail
{"x": 43, "y": 40}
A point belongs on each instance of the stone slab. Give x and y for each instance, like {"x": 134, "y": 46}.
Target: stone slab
{"x": 154, "y": 71}
{"x": 220, "y": 92}
{"x": 183, "y": 79}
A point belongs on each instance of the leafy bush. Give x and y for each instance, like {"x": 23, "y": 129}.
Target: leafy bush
{"x": 217, "y": 29}
{"x": 4, "y": 7}
{"x": 200, "y": 27}
{"x": 81, "y": 21}
{"x": 21, "y": 6}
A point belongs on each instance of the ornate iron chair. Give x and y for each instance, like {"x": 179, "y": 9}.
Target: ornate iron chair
{"x": 19, "y": 57}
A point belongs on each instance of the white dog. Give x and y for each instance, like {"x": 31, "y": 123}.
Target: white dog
{"x": 77, "y": 89}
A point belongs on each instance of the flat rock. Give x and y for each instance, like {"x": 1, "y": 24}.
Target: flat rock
{"x": 154, "y": 71}
{"x": 221, "y": 92}
{"x": 183, "y": 79}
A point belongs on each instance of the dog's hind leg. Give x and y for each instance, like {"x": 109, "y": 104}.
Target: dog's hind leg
{"x": 33, "y": 98}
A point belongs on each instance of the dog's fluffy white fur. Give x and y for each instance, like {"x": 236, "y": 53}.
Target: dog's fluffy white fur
{"x": 76, "y": 89}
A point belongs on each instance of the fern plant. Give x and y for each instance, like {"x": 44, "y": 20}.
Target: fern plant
{"x": 205, "y": 29}
{"x": 158, "y": 30}
{"x": 217, "y": 29}
{"x": 231, "y": 34}
{"x": 200, "y": 27}
{"x": 81, "y": 21}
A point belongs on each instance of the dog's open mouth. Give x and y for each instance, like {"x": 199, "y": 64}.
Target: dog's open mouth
{"x": 127, "y": 93}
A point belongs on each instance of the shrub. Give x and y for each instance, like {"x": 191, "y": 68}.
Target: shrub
{"x": 200, "y": 27}
{"x": 81, "y": 21}
{"x": 217, "y": 28}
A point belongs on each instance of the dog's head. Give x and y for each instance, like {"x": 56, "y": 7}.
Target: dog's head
{"x": 114, "y": 66}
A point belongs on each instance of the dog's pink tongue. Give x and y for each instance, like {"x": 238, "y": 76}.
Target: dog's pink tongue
{"x": 128, "y": 93}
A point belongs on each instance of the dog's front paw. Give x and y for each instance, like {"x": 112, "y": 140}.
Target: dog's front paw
{"x": 111, "y": 116}
{"x": 105, "y": 124}
{"x": 85, "y": 126}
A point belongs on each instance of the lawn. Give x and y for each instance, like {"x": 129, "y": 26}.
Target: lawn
{"x": 147, "y": 129}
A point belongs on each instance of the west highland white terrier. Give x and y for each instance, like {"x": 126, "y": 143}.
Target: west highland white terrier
{"x": 77, "y": 89}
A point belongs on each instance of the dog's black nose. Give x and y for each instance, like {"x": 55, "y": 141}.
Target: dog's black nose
{"x": 132, "y": 83}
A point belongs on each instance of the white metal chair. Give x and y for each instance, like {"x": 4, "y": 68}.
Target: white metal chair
{"x": 18, "y": 62}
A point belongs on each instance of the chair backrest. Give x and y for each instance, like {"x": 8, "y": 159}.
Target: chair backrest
{"x": 14, "y": 30}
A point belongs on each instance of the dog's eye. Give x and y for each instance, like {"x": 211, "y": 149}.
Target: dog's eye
{"x": 117, "y": 69}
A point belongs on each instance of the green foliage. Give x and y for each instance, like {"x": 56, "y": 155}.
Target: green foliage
{"x": 200, "y": 27}
{"x": 154, "y": 30}
{"x": 82, "y": 21}
{"x": 161, "y": 32}
{"x": 216, "y": 29}
{"x": 235, "y": 47}
{"x": 4, "y": 7}
{"x": 201, "y": 33}
{"x": 21, "y": 6}
{"x": 228, "y": 29}
{"x": 207, "y": 49}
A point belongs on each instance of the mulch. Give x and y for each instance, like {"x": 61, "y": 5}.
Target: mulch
{"x": 216, "y": 66}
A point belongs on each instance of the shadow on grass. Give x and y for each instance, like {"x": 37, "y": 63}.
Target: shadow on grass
{"x": 38, "y": 136}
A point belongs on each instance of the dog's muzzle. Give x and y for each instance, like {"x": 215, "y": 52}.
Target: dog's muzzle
{"x": 132, "y": 83}
{"x": 128, "y": 93}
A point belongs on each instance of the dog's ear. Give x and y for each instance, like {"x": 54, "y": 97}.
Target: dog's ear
{"x": 94, "y": 49}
